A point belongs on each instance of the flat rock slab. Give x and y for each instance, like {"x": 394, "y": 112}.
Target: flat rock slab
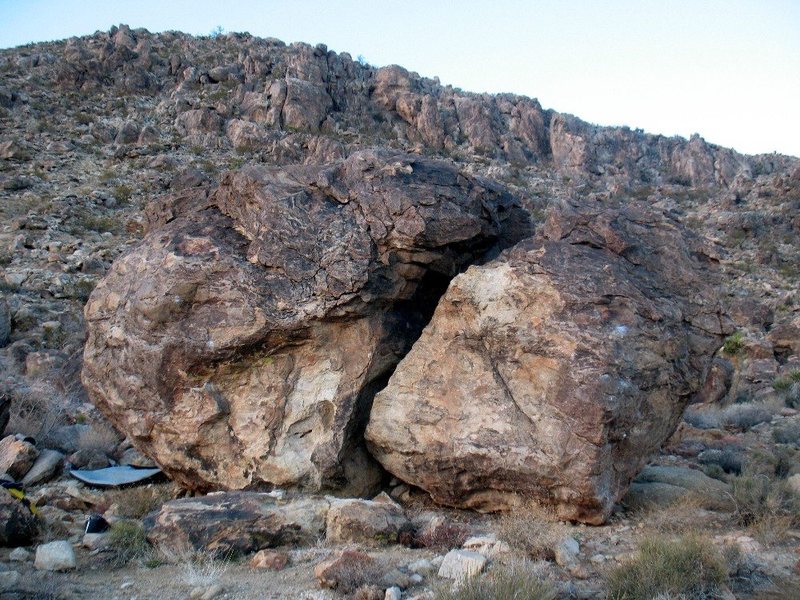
{"x": 45, "y": 467}
{"x": 663, "y": 485}
{"x": 235, "y": 523}
{"x": 461, "y": 564}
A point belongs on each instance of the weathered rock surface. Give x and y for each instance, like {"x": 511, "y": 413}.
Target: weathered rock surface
{"x": 365, "y": 521}
{"x": 18, "y": 526}
{"x": 55, "y": 556}
{"x": 16, "y": 457}
{"x": 661, "y": 486}
{"x": 46, "y": 466}
{"x": 461, "y": 564}
{"x": 556, "y": 369}
{"x": 235, "y": 523}
{"x": 240, "y": 344}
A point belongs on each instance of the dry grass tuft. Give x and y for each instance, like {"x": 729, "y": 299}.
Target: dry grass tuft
{"x": 100, "y": 437}
{"x": 688, "y": 513}
{"x": 129, "y": 542}
{"x": 688, "y": 566}
{"x": 137, "y": 502}
{"x": 36, "y": 410}
{"x": 202, "y": 570}
{"x": 444, "y": 536}
{"x": 533, "y": 529}
{"x": 353, "y": 572}
{"x": 518, "y": 581}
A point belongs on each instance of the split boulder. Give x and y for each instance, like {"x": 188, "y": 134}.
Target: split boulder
{"x": 555, "y": 370}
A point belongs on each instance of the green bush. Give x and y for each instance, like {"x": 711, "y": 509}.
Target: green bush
{"x": 122, "y": 193}
{"x": 733, "y": 343}
{"x": 512, "y": 582}
{"x": 688, "y": 566}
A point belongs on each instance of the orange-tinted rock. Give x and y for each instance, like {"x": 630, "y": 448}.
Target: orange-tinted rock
{"x": 555, "y": 370}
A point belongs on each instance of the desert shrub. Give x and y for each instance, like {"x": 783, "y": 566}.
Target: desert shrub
{"x": 784, "y": 383}
{"x": 715, "y": 471}
{"x": 136, "y": 502}
{"x": 746, "y": 416}
{"x": 533, "y": 529}
{"x": 354, "y": 571}
{"x": 736, "y": 416}
{"x": 122, "y": 193}
{"x": 36, "y": 409}
{"x": 727, "y": 460}
{"x": 763, "y": 500}
{"x": 688, "y": 566}
{"x": 129, "y": 542}
{"x": 202, "y": 570}
{"x": 444, "y": 536}
{"x": 518, "y": 581}
{"x": 733, "y": 343}
{"x": 100, "y": 437}
{"x": 787, "y": 433}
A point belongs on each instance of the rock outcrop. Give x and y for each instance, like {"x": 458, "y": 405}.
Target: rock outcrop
{"x": 240, "y": 343}
{"x": 555, "y": 370}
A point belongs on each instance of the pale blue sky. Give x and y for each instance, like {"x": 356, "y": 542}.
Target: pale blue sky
{"x": 727, "y": 69}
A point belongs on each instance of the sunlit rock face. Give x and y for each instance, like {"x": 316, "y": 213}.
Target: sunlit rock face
{"x": 240, "y": 343}
{"x": 555, "y": 370}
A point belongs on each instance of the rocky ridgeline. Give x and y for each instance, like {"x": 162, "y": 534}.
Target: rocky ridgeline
{"x": 277, "y": 267}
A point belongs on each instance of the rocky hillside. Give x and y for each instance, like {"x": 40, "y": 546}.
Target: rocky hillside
{"x": 278, "y": 267}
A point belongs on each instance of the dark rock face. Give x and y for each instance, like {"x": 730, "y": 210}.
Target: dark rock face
{"x": 18, "y": 527}
{"x": 234, "y": 524}
{"x": 240, "y": 343}
{"x": 555, "y": 370}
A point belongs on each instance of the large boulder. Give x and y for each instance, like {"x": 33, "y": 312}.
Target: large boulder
{"x": 556, "y": 369}
{"x": 235, "y": 523}
{"x": 241, "y": 342}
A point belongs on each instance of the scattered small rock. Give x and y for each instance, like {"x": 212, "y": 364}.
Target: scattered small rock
{"x": 393, "y": 593}
{"x": 461, "y": 564}
{"x": 8, "y": 580}
{"x": 19, "y": 555}
{"x": 95, "y": 541}
{"x": 488, "y": 545}
{"x": 566, "y": 552}
{"x": 55, "y": 556}
{"x": 269, "y": 559}
{"x": 16, "y": 457}
{"x": 46, "y": 466}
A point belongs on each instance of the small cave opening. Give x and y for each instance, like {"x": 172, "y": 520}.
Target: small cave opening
{"x": 405, "y": 321}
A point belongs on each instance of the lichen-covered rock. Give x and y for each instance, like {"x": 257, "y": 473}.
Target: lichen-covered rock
{"x": 241, "y": 342}
{"x": 555, "y": 370}
{"x": 366, "y": 521}
{"x": 235, "y": 523}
